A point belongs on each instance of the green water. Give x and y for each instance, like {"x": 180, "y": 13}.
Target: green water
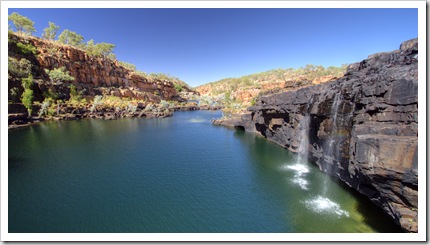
{"x": 178, "y": 174}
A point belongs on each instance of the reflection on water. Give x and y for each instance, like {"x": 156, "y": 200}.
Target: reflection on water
{"x": 178, "y": 174}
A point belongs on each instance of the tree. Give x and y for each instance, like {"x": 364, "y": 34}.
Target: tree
{"x": 50, "y": 32}
{"x": 22, "y": 23}
{"x": 128, "y": 65}
{"x": 89, "y": 48}
{"x": 74, "y": 95}
{"x": 27, "y": 95}
{"x": 59, "y": 75}
{"x": 99, "y": 49}
{"x": 111, "y": 56}
{"x": 71, "y": 38}
{"x": 104, "y": 49}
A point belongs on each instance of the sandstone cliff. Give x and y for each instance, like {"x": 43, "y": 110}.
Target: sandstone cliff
{"x": 363, "y": 128}
{"x": 93, "y": 75}
{"x": 244, "y": 90}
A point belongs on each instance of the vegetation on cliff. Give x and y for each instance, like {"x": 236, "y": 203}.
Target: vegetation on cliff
{"x": 66, "y": 71}
{"x": 51, "y": 74}
{"x": 24, "y": 26}
{"x": 236, "y": 94}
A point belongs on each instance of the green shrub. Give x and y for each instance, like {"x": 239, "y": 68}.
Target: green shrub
{"x": 96, "y": 102}
{"x": 50, "y": 94}
{"x": 178, "y": 88}
{"x": 128, "y": 65}
{"x": 9, "y": 37}
{"x": 74, "y": 95}
{"x": 13, "y": 93}
{"x": 26, "y": 48}
{"x": 44, "y": 108}
{"x": 18, "y": 68}
{"x": 27, "y": 96}
{"x": 253, "y": 101}
{"x": 53, "y": 50}
{"x": 164, "y": 104}
{"x": 149, "y": 107}
{"x": 27, "y": 83}
{"x": 59, "y": 75}
{"x": 141, "y": 73}
{"x": 131, "y": 108}
{"x": 27, "y": 100}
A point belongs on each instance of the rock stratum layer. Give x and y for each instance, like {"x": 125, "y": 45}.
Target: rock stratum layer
{"x": 93, "y": 75}
{"x": 363, "y": 128}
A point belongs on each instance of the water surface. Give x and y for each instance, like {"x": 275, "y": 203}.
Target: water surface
{"x": 178, "y": 174}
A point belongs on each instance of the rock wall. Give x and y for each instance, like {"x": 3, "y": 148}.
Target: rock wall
{"x": 363, "y": 128}
{"x": 93, "y": 75}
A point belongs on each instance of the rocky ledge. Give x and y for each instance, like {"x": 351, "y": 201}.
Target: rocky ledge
{"x": 363, "y": 128}
{"x": 18, "y": 115}
{"x": 93, "y": 75}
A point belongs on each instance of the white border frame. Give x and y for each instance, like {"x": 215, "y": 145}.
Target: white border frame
{"x": 407, "y": 237}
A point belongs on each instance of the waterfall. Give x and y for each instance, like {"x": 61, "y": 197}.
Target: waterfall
{"x": 330, "y": 153}
{"x": 304, "y": 140}
{"x": 319, "y": 203}
{"x": 322, "y": 204}
{"x": 300, "y": 164}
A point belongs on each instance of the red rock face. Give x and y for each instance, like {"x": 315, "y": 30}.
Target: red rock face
{"x": 246, "y": 95}
{"x": 93, "y": 73}
{"x": 323, "y": 79}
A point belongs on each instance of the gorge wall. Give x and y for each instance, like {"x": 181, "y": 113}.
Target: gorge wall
{"x": 363, "y": 128}
{"x": 93, "y": 75}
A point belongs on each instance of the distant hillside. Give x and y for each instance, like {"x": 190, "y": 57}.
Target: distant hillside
{"x": 239, "y": 93}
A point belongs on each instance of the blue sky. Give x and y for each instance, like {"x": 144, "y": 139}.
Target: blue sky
{"x": 205, "y": 45}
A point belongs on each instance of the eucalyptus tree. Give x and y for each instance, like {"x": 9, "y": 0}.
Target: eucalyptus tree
{"x": 22, "y": 24}
{"x": 71, "y": 38}
{"x": 50, "y": 32}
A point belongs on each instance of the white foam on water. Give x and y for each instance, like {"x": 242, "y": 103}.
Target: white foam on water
{"x": 196, "y": 120}
{"x": 301, "y": 182}
{"x": 323, "y": 205}
{"x": 300, "y": 171}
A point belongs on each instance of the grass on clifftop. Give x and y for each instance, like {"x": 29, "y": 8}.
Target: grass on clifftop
{"x": 236, "y": 94}
{"x": 307, "y": 73}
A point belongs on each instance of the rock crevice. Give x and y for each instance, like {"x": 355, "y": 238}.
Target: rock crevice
{"x": 93, "y": 75}
{"x": 363, "y": 128}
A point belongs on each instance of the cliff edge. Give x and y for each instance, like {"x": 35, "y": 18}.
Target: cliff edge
{"x": 93, "y": 75}
{"x": 363, "y": 128}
